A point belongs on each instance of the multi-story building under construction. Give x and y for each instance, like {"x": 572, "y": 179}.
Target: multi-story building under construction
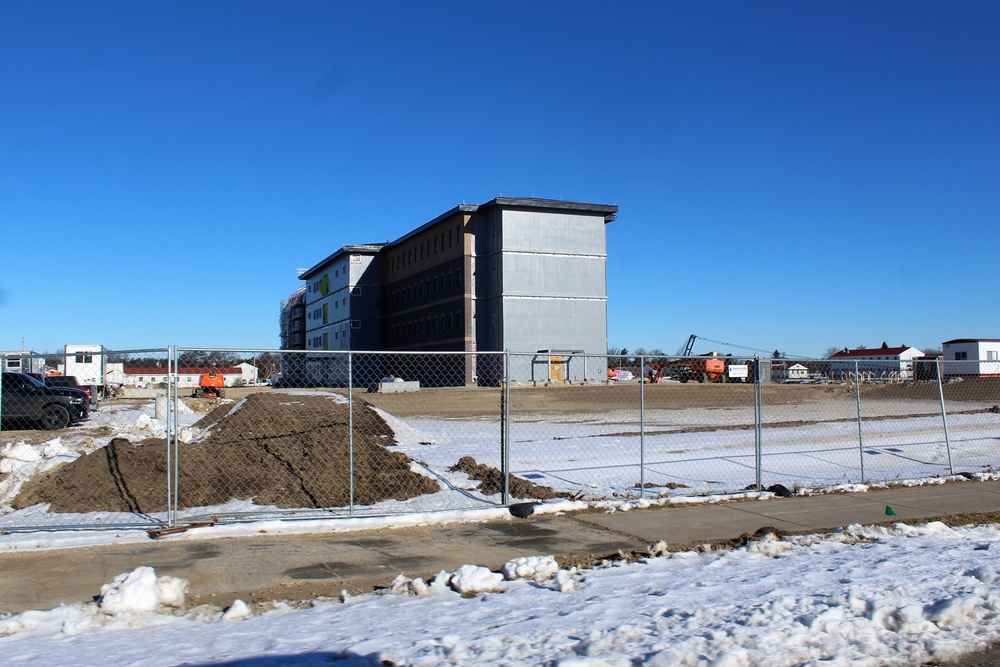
{"x": 522, "y": 275}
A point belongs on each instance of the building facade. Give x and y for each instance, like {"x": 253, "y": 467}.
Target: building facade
{"x": 876, "y": 364}
{"x": 522, "y": 275}
{"x": 971, "y": 356}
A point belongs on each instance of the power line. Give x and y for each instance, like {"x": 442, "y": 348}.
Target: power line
{"x": 753, "y": 349}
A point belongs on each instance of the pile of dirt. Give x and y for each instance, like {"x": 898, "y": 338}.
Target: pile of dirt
{"x": 286, "y": 450}
{"x": 491, "y": 481}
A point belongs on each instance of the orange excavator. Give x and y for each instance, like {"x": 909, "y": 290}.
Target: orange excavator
{"x": 210, "y": 386}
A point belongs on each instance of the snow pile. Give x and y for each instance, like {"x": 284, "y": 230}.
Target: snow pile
{"x": 145, "y": 425}
{"x": 141, "y": 591}
{"x": 238, "y": 611}
{"x": 20, "y": 461}
{"x": 132, "y": 600}
{"x": 471, "y": 580}
{"x": 533, "y": 568}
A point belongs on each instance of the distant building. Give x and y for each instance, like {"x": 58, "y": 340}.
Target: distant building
{"x": 293, "y": 321}
{"x": 145, "y": 377}
{"x": 85, "y": 363}
{"x": 523, "y": 275}
{"x": 971, "y": 356}
{"x": 22, "y": 361}
{"x": 883, "y": 363}
{"x": 796, "y": 373}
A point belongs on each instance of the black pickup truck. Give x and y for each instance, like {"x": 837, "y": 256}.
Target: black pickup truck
{"x": 71, "y": 382}
{"x": 23, "y": 398}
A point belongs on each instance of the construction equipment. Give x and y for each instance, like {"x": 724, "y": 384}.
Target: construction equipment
{"x": 210, "y": 386}
{"x": 703, "y": 368}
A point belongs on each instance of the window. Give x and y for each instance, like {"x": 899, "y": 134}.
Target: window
{"x": 355, "y": 324}
{"x": 356, "y": 291}
{"x": 84, "y": 358}
{"x": 960, "y": 356}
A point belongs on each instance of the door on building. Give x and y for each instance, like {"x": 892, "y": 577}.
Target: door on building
{"x": 557, "y": 368}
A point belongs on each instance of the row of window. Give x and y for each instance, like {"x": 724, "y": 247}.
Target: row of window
{"x": 423, "y": 250}
{"x": 436, "y": 285}
{"x": 319, "y": 285}
{"x": 447, "y": 323}
{"x": 316, "y": 342}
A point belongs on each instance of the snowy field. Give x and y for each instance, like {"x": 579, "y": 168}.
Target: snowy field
{"x": 900, "y": 595}
{"x": 677, "y": 455}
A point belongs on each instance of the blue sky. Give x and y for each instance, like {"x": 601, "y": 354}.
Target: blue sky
{"x": 790, "y": 175}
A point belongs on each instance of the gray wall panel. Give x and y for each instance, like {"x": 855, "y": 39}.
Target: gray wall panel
{"x": 553, "y": 232}
{"x": 553, "y": 275}
{"x": 536, "y": 324}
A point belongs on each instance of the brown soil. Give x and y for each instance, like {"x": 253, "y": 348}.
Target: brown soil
{"x": 563, "y": 399}
{"x": 287, "y": 451}
{"x": 491, "y": 481}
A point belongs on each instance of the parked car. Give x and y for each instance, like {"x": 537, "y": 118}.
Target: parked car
{"x": 71, "y": 382}
{"x": 26, "y": 399}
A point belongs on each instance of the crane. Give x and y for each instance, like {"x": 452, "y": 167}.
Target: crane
{"x": 685, "y": 350}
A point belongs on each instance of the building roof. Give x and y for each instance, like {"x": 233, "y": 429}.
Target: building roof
{"x": 358, "y": 249}
{"x": 871, "y": 352}
{"x": 608, "y": 211}
{"x": 971, "y": 340}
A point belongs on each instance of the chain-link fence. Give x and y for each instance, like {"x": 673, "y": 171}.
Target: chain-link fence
{"x": 84, "y": 439}
{"x": 178, "y": 435}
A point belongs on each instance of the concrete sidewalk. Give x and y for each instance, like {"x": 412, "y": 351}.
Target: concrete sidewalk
{"x": 305, "y": 566}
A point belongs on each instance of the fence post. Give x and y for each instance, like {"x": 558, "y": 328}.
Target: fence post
{"x": 3, "y": 368}
{"x": 350, "y": 428}
{"x": 861, "y": 437}
{"x": 171, "y": 439}
{"x": 505, "y": 428}
{"x": 642, "y": 428}
{"x": 758, "y": 432}
{"x": 944, "y": 414}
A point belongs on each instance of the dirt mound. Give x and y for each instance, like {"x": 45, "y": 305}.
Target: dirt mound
{"x": 286, "y": 450}
{"x": 491, "y": 481}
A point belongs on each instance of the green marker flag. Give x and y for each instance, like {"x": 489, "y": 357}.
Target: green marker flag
{"x": 889, "y": 511}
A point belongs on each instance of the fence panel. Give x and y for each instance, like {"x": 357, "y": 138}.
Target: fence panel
{"x": 809, "y": 426}
{"x": 572, "y": 431}
{"x": 651, "y": 426}
{"x": 970, "y": 423}
{"x": 333, "y": 434}
{"x": 699, "y": 424}
{"x": 107, "y": 466}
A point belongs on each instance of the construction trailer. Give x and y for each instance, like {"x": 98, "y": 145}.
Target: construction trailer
{"x": 86, "y": 363}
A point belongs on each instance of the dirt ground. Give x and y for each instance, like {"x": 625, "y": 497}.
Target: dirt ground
{"x": 291, "y": 453}
{"x": 290, "y": 449}
{"x": 460, "y": 403}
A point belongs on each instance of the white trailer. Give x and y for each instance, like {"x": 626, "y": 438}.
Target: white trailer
{"x": 86, "y": 363}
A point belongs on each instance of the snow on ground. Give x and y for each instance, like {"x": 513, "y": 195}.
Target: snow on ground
{"x": 681, "y": 455}
{"x": 896, "y": 595}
